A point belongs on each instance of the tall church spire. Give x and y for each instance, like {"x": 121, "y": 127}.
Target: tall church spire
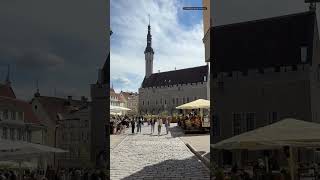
{"x": 37, "y": 94}
{"x": 148, "y": 53}
{"x": 8, "y": 82}
{"x": 149, "y": 39}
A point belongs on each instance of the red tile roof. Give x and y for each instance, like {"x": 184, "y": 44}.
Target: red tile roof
{"x": 6, "y": 91}
{"x": 54, "y": 105}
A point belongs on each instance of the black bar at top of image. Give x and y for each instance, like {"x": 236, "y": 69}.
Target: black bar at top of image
{"x": 194, "y": 8}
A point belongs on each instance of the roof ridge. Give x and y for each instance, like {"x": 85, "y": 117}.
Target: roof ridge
{"x": 59, "y": 98}
{"x": 264, "y": 19}
{"x": 180, "y": 69}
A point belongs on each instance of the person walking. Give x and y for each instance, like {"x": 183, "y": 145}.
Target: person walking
{"x": 137, "y": 121}
{"x": 140, "y": 124}
{"x": 133, "y": 124}
{"x": 152, "y": 122}
{"x": 159, "y": 126}
{"x": 167, "y": 124}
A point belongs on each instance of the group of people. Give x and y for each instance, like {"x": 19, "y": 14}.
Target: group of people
{"x": 136, "y": 121}
{"x": 118, "y": 124}
{"x": 51, "y": 174}
{"x": 8, "y": 175}
{"x": 159, "y": 122}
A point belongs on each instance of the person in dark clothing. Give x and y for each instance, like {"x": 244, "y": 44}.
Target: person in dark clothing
{"x": 133, "y": 124}
{"x": 102, "y": 175}
{"x": 85, "y": 175}
{"x": 13, "y": 176}
{"x": 234, "y": 168}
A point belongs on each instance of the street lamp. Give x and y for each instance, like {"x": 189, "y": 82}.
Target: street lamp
{"x": 55, "y": 141}
{"x": 55, "y": 144}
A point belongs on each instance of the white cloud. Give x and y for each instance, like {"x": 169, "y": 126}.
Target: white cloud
{"x": 174, "y": 45}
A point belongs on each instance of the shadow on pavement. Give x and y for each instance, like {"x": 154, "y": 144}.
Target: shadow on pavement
{"x": 177, "y": 131}
{"x": 173, "y": 169}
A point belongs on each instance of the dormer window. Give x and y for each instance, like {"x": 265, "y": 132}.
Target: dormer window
{"x": 304, "y": 54}
{"x": 5, "y": 114}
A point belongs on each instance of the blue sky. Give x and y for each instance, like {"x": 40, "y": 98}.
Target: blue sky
{"x": 176, "y": 38}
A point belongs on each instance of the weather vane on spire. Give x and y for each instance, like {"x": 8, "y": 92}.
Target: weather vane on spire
{"x": 149, "y": 19}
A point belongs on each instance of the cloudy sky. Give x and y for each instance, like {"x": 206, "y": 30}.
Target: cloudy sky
{"x": 176, "y": 38}
{"x": 59, "y": 43}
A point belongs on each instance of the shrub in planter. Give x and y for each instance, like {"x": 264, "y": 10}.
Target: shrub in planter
{"x": 219, "y": 174}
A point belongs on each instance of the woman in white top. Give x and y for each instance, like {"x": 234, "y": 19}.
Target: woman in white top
{"x": 159, "y": 126}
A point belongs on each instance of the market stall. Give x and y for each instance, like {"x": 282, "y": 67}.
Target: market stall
{"x": 195, "y": 116}
{"x": 288, "y": 134}
{"x": 20, "y": 151}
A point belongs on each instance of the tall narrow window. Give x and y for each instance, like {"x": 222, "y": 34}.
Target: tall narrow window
{"x": 5, "y": 114}
{"x": 236, "y": 123}
{"x": 19, "y": 134}
{"x": 250, "y": 119}
{"x": 304, "y": 54}
{"x": 13, "y": 115}
{"x": 5, "y": 133}
{"x": 11, "y": 133}
{"x": 274, "y": 117}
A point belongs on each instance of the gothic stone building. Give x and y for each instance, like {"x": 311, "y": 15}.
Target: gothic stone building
{"x": 263, "y": 71}
{"x": 163, "y": 92}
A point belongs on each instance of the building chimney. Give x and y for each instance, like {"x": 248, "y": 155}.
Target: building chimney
{"x": 69, "y": 98}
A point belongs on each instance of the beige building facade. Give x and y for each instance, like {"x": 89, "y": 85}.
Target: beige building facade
{"x": 155, "y": 100}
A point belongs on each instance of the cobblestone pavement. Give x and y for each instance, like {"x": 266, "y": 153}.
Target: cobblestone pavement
{"x": 116, "y": 139}
{"x": 146, "y": 156}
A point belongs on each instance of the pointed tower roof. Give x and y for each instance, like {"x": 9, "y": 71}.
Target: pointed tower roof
{"x": 149, "y": 40}
{"x": 37, "y": 94}
{"x": 8, "y": 82}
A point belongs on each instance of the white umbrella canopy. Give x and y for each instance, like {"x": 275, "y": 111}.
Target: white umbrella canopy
{"x": 19, "y": 150}
{"x": 14, "y": 164}
{"x": 287, "y": 132}
{"x": 200, "y": 103}
{"x": 118, "y": 108}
